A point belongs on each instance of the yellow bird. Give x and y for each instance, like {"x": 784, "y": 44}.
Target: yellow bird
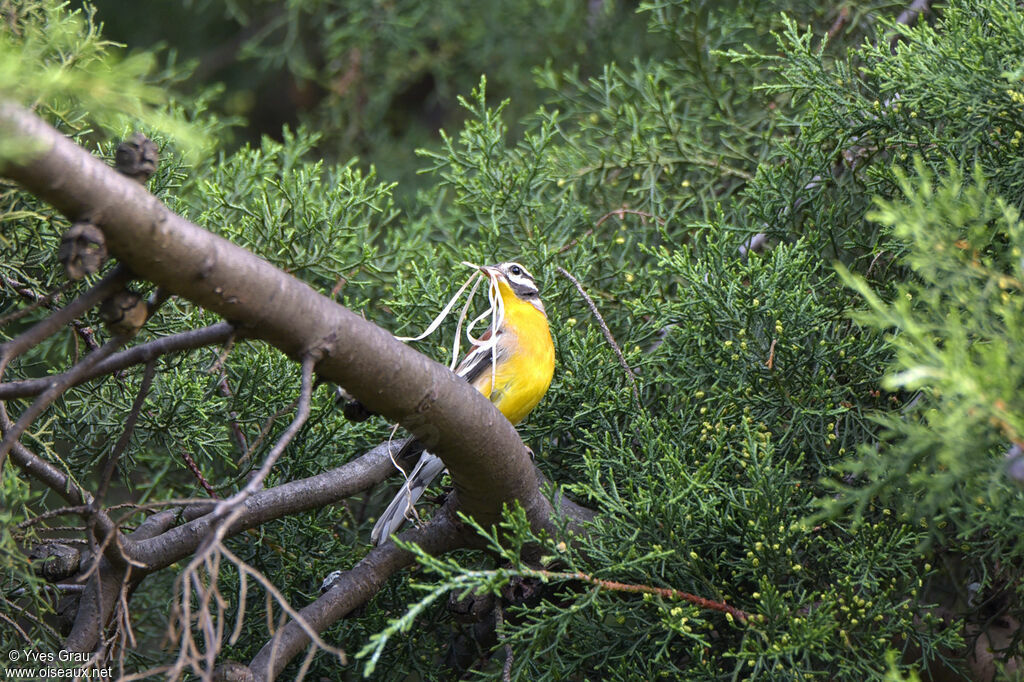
{"x": 513, "y": 367}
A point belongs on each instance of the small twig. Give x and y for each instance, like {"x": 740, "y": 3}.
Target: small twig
{"x": 573, "y": 242}
{"x": 908, "y": 17}
{"x": 227, "y": 511}
{"x": 87, "y": 334}
{"x": 499, "y": 621}
{"x": 195, "y": 338}
{"x": 267, "y": 425}
{"x": 43, "y": 471}
{"x": 156, "y": 299}
{"x": 194, "y": 468}
{"x": 36, "y": 298}
{"x": 301, "y": 415}
{"x": 136, "y": 508}
{"x": 112, "y": 548}
{"x": 218, "y": 365}
{"x": 336, "y": 289}
{"x": 236, "y": 431}
{"x": 771, "y": 355}
{"x": 64, "y": 529}
{"x": 128, "y": 641}
{"x": 45, "y": 328}
{"x": 217, "y": 368}
{"x": 58, "y": 588}
{"x": 607, "y": 334}
{"x": 665, "y": 592}
{"x": 839, "y": 24}
{"x": 52, "y": 513}
{"x": 244, "y": 568}
{"x": 126, "y": 434}
{"x": 620, "y": 212}
{"x": 58, "y": 385}
{"x": 14, "y": 624}
{"x": 874, "y": 260}
{"x": 307, "y": 661}
{"x": 242, "y": 601}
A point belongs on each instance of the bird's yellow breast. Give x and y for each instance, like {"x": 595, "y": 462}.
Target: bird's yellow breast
{"x": 523, "y": 377}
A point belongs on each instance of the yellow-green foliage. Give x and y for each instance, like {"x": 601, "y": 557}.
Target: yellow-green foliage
{"x": 822, "y": 450}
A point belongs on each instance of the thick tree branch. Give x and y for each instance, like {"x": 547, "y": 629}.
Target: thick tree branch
{"x": 265, "y": 505}
{"x": 290, "y": 498}
{"x": 483, "y": 452}
{"x": 103, "y": 586}
{"x": 354, "y": 587}
{"x": 52, "y": 477}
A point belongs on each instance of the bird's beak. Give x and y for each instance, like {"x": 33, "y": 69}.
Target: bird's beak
{"x": 490, "y": 271}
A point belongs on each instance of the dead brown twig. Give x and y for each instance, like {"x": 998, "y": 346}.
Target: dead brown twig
{"x": 499, "y": 620}
{"x": 665, "y": 592}
{"x": 573, "y": 242}
{"x": 200, "y": 604}
{"x": 620, "y": 212}
{"x": 839, "y": 24}
{"x": 36, "y": 299}
{"x": 915, "y": 9}
{"x": 630, "y": 374}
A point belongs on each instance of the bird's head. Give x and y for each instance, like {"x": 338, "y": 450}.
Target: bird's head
{"x": 513, "y": 279}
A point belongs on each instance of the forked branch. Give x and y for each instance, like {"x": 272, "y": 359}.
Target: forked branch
{"x": 484, "y": 454}
{"x": 486, "y": 458}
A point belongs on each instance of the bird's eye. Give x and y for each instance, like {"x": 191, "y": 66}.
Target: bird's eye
{"x": 516, "y": 270}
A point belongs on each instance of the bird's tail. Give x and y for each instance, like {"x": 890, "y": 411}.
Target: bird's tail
{"x": 394, "y": 516}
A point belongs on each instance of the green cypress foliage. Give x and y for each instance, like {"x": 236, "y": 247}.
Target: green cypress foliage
{"x": 823, "y": 425}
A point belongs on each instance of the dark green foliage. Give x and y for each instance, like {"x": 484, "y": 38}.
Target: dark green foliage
{"x": 821, "y": 450}
{"x": 377, "y": 80}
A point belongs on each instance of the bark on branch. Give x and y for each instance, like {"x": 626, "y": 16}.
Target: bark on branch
{"x": 354, "y": 587}
{"x": 488, "y": 463}
{"x": 273, "y": 503}
{"x": 483, "y": 452}
{"x": 145, "y": 352}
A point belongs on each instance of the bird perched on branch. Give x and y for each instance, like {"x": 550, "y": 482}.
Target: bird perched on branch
{"x": 512, "y": 366}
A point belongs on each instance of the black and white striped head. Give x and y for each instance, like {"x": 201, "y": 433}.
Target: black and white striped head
{"x": 518, "y": 279}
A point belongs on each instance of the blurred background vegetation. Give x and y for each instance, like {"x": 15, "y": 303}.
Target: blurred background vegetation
{"x": 377, "y": 80}
{"x": 800, "y": 221}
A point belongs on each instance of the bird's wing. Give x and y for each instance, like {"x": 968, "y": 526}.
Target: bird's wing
{"x": 395, "y": 515}
{"x": 476, "y": 364}
{"x": 478, "y": 360}
{"x": 406, "y": 452}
